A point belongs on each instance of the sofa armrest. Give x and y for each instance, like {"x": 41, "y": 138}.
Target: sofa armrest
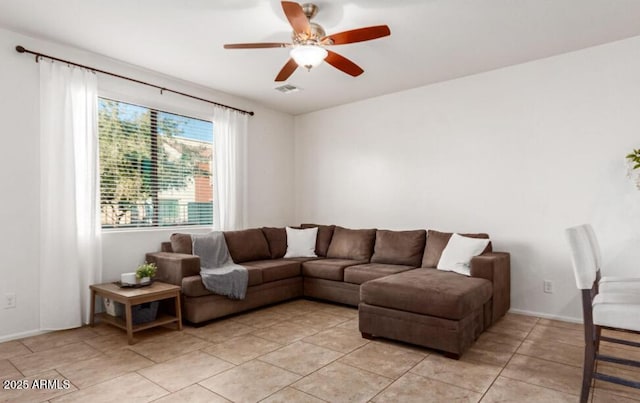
{"x": 173, "y": 267}
{"x": 495, "y": 267}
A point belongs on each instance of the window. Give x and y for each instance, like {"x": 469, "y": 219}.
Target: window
{"x": 155, "y": 167}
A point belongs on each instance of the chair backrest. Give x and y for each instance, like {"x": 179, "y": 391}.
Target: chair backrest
{"x": 595, "y": 245}
{"x": 582, "y": 257}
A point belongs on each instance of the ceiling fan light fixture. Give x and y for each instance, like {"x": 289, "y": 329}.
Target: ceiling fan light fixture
{"x": 308, "y": 56}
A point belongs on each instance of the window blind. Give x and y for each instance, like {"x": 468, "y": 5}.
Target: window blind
{"x": 155, "y": 167}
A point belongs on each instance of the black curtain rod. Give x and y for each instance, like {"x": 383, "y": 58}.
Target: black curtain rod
{"x": 21, "y": 49}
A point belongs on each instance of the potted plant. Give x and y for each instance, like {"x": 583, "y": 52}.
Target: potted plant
{"x": 145, "y": 271}
{"x": 633, "y": 167}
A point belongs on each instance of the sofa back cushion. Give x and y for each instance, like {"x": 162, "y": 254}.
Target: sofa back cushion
{"x": 356, "y": 244}
{"x": 399, "y": 247}
{"x": 247, "y": 245}
{"x": 437, "y": 241}
{"x": 325, "y": 234}
{"x": 181, "y": 243}
{"x": 277, "y": 240}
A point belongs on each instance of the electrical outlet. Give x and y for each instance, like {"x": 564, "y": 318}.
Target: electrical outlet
{"x": 9, "y": 300}
{"x": 548, "y": 286}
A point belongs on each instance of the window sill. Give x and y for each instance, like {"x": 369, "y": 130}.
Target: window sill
{"x": 181, "y": 228}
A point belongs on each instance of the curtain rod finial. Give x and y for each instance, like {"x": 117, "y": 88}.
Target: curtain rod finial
{"x": 20, "y": 49}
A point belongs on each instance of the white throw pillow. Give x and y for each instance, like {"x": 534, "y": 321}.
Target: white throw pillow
{"x": 457, "y": 255}
{"x": 301, "y": 242}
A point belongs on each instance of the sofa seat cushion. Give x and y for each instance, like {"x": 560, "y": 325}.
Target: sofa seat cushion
{"x": 192, "y": 286}
{"x": 302, "y": 259}
{"x": 364, "y": 272}
{"x": 328, "y": 269}
{"x": 399, "y": 247}
{"x": 277, "y": 269}
{"x": 428, "y": 292}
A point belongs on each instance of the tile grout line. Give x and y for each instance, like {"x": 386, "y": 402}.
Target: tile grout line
{"x": 54, "y": 368}
{"x": 288, "y": 370}
{"x": 66, "y": 392}
{"x": 297, "y": 390}
{"x": 153, "y": 382}
{"x": 220, "y": 358}
{"x": 74, "y": 385}
{"x": 326, "y": 365}
{"x": 16, "y": 368}
{"x": 329, "y": 348}
{"x": 542, "y": 359}
{"x": 265, "y": 339}
{"x": 403, "y": 374}
{"x": 109, "y": 380}
{"x": 473, "y": 361}
{"x": 25, "y": 346}
{"x": 510, "y": 359}
{"x": 316, "y": 370}
{"x": 449, "y": 383}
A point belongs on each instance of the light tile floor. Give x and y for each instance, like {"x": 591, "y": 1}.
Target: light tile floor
{"x": 306, "y": 351}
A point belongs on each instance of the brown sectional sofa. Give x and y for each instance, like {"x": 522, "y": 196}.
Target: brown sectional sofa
{"x": 389, "y": 275}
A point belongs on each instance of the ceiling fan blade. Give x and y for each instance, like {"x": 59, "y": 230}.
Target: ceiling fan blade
{"x": 287, "y": 70}
{"x": 297, "y": 19}
{"x": 343, "y": 64}
{"x": 359, "y": 35}
{"x": 256, "y": 45}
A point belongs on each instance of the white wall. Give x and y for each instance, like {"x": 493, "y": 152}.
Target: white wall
{"x": 269, "y": 173}
{"x": 521, "y": 153}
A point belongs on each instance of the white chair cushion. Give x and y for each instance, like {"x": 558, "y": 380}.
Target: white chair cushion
{"x": 619, "y": 279}
{"x": 611, "y": 284}
{"x": 621, "y": 311}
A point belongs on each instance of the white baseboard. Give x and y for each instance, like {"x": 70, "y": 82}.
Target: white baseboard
{"x": 21, "y": 335}
{"x": 546, "y": 315}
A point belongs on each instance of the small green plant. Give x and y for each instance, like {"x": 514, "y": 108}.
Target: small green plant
{"x": 146, "y": 270}
{"x": 635, "y": 158}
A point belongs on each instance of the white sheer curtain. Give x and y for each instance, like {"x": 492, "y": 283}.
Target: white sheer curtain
{"x": 70, "y": 248}
{"x": 230, "y": 174}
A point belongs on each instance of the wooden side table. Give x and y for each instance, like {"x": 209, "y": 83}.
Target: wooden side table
{"x": 135, "y": 296}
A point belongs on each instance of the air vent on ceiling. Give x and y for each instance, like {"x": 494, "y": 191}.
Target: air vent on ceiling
{"x": 287, "y": 88}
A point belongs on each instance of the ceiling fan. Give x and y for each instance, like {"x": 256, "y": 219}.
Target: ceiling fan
{"x": 310, "y": 41}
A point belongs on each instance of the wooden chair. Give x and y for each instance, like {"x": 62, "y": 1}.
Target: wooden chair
{"x": 610, "y": 310}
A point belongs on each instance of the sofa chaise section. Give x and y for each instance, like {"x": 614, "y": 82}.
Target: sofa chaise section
{"x": 428, "y": 307}
{"x": 434, "y": 308}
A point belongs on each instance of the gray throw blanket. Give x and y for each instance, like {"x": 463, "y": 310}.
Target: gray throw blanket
{"x": 219, "y": 274}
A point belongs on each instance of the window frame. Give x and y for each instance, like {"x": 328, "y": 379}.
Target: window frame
{"x": 155, "y": 108}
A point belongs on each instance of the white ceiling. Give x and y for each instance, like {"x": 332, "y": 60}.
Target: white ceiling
{"x": 431, "y": 40}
